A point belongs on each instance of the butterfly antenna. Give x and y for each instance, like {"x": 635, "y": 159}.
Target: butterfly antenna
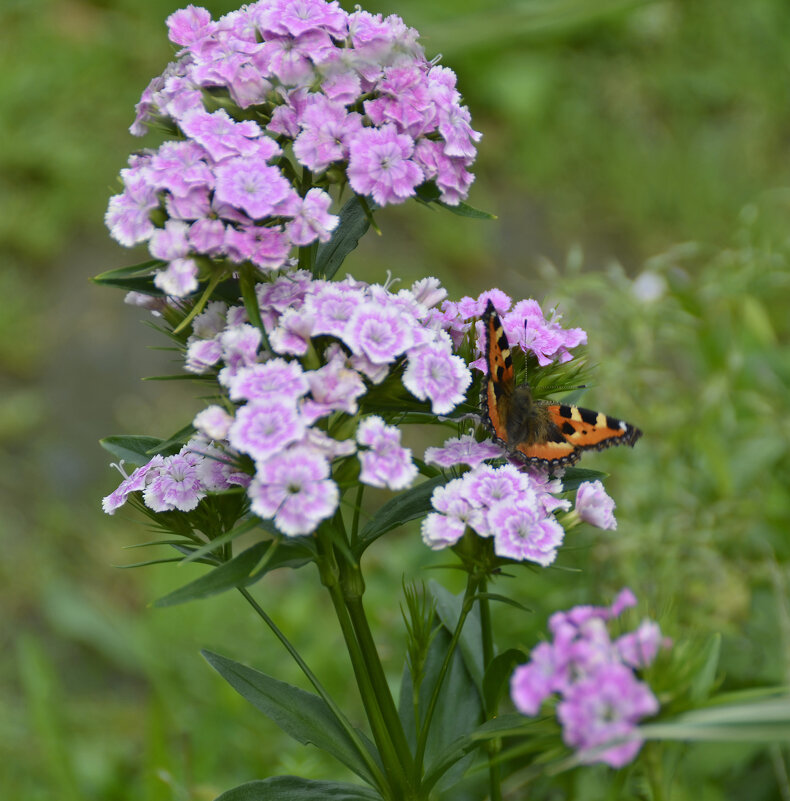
{"x": 563, "y": 388}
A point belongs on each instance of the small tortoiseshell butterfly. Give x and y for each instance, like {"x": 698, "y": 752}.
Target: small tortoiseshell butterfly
{"x": 538, "y": 432}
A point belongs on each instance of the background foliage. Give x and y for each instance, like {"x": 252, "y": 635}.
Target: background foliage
{"x": 613, "y": 131}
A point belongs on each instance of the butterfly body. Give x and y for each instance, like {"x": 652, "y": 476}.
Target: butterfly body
{"x": 539, "y": 432}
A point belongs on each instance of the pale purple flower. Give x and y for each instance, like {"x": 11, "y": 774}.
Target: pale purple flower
{"x": 594, "y": 506}
{"x": 295, "y": 17}
{"x": 333, "y": 387}
{"x": 207, "y": 236}
{"x": 240, "y": 345}
{"x": 292, "y": 334}
{"x": 440, "y": 531}
{"x": 189, "y": 25}
{"x": 381, "y": 333}
{"x": 488, "y": 486}
{"x": 433, "y": 372}
{"x": 603, "y": 708}
{"x": 180, "y": 167}
{"x": 386, "y": 463}
{"x": 128, "y": 214}
{"x": 521, "y": 532}
{"x": 285, "y": 292}
{"x": 214, "y": 422}
{"x": 533, "y": 683}
{"x": 428, "y": 291}
{"x": 251, "y": 185}
{"x": 640, "y": 647}
{"x": 312, "y": 221}
{"x": 266, "y": 247}
{"x": 170, "y": 242}
{"x": 176, "y": 485}
{"x": 294, "y": 488}
{"x": 202, "y": 355}
{"x": 179, "y": 278}
{"x": 264, "y": 429}
{"x": 380, "y": 165}
{"x": 463, "y": 450}
{"x": 276, "y": 379}
{"x": 211, "y": 321}
{"x": 194, "y": 205}
{"x": 331, "y": 448}
{"x": 526, "y": 326}
{"x": 326, "y": 129}
{"x": 132, "y": 483}
{"x": 453, "y": 514}
{"x": 224, "y": 138}
{"x": 332, "y": 305}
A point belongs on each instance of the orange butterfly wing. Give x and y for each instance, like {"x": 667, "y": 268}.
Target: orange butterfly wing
{"x": 556, "y": 433}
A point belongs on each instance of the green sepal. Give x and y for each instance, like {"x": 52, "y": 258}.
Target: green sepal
{"x": 405, "y": 506}
{"x": 136, "y": 449}
{"x": 353, "y": 225}
{"x": 497, "y": 677}
{"x": 242, "y": 570}
{"x": 229, "y": 536}
{"x": 294, "y": 788}
{"x": 135, "y": 278}
{"x": 302, "y": 715}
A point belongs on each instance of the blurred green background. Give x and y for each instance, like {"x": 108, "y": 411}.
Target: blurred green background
{"x": 636, "y": 154}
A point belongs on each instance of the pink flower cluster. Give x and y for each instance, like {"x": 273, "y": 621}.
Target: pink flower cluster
{"x": 262, "y": 95}
{"x": 602, "y": 700}
{"x": 514, "y": 507}
{"x": 179, "y": 482}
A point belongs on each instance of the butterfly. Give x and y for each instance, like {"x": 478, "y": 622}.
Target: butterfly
{"x": 539, "y": 432}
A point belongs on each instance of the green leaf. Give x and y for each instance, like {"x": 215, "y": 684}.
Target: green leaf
{"x": 458, "y": 710}
{"x": 354, "y": 222}
{"x": 135, "y": 278}
{"x": 448, "y": 607}
{"x": 502, "y": 599}
{"x": 294, "y": 788}
{"x": 240, "y": 571}
{"x": 136, "y": 450}
{"x": 703, "y": 681}
{"x": 405, "y": 506}
{"x": 429, "y": 193}
{"x": 497, "y": 676}
{"x": 758, "y": 721}
{"x": 300, "y": 714}
{"x": 577, "y": 475}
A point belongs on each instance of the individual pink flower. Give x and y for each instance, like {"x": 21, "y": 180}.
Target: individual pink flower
{"x": 132, "y": 483}
{"x": 381, "y": 333}
{"x": 176, "y": 485}
{"x": 214, "y": 422}
{"x": 385, "y": 463}
{"x": 333, "y": 387}
{"x": 179, "y": 278}
{"x": 521, "y": 532}
{"x": 251, "y": 185}
{"x": 312, "y": 221}
{"x": 463, "y": 450}
{"x": 276, "y": 379}
{"x": 189, "y": 25}
{"x": 292, "y": 334}
{"x": 294, "y": 488}
{"x": 434, "y": 373}
{"x": 264, "y": 429}
{"x": 379, "y": 165}
{"x": 594, "y": 506}
{"x": 240, "y": 345}
{"x": 453, "y": 514}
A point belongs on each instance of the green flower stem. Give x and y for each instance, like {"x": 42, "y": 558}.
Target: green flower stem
{"x": 379, "y": 680}
{"x": 397, "y": 783}
{"x": 493, "y": 747}
{"x": 372, "y": 766}
{"x": 398, "y": 780}
{"x": 200, "y": 305}
{"x": 472, "y": 584}
{"x": 250, "y": 298}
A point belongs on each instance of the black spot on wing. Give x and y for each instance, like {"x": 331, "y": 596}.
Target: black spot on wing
{"x": 568, "y": 429}
{"x": 588, "y": 416}
{"x": 614, "y": 423}
{"x": 566, "y": 411}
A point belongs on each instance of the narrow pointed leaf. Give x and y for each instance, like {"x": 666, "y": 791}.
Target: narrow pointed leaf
{"x": 294, "y": 788}
{"x": 135, "y": 278}
{"x": 577, "y": 475}
{"x": 407, "y": 505}
{"x": 448, "y": 607}
{"x": 300, "y": 714}
{"x": 351, "y": 228}
{"x": 239, "y": 571}
{"x": 136, "y": 450}
{"x": 497, "y": 676}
